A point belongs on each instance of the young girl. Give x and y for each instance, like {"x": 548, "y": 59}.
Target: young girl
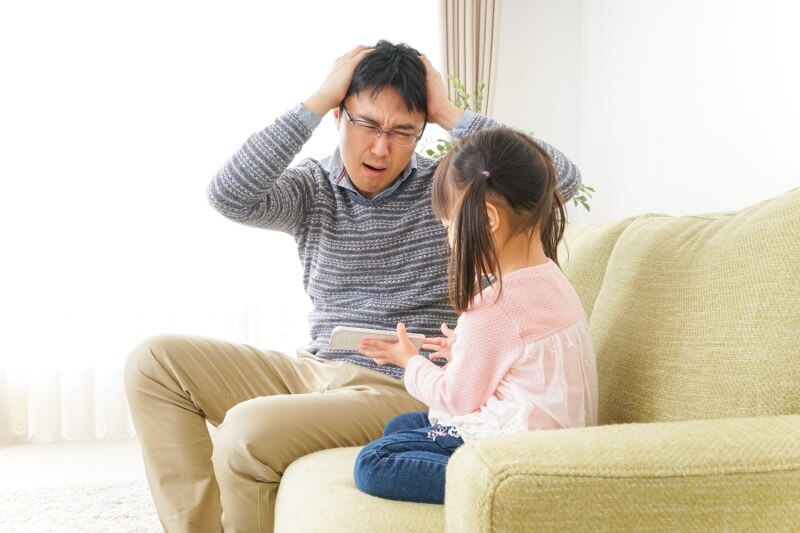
{"x": 521, "y": 357}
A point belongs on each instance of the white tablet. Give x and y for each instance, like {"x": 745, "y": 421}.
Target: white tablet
{"x": 347, "y": 338}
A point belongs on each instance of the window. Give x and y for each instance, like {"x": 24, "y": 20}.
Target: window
{"x": 115, "y": 118}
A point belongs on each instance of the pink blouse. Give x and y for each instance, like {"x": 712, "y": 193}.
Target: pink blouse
{"x": 522, "y": 359}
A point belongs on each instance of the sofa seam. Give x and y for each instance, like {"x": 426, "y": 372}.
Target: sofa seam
{"x": 646, "y": 474}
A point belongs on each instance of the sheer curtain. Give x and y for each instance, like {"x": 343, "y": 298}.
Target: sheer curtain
{"x": 469, "y": 33}
{"x": 115, "y": 116}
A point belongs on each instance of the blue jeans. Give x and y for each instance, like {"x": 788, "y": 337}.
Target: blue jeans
{"x": 409, "y": 461}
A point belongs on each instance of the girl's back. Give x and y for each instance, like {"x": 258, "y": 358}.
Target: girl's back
{"x": 528, "y": 353}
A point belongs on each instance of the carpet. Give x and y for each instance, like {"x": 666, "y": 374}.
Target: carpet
{"x": 113, "y": 508}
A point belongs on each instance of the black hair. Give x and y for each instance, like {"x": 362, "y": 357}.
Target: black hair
{"x": 496, "y": 165}
{"x": 392, "y": 65}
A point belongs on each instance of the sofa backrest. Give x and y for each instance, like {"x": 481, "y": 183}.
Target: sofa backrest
{"x": 693, "y": 317}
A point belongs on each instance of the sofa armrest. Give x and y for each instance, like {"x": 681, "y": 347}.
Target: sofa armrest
{"x": 724, "y": 474}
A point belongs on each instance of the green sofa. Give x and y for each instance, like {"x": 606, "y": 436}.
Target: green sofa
{"x": 696, "y": 321}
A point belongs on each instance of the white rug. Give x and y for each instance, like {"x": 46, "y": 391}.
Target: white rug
{"x": 113, "y": 508}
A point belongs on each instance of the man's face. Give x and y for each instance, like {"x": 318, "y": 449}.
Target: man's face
{"x": 372, "y": 162}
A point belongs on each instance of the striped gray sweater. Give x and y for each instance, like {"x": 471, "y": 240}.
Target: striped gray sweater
{"x": 366, "y": 263}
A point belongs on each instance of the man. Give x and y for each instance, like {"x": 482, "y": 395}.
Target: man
{"x": 372, "y": 255}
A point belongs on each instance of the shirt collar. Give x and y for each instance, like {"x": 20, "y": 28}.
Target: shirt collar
{"x": 339, "y": 177}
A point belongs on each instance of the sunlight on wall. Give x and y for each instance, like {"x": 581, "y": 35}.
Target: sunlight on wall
{"x": 688, "y": 107}
{"x": 116, "y": 118}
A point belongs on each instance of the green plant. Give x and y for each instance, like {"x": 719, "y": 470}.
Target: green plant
{"x": 463, "y": 97}
{"x": 461, "y": 101}
{"x": 464, "y": 100}
{"x": 582, "y": 196}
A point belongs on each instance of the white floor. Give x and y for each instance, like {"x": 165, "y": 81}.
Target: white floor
{"x": 70, "y": 463}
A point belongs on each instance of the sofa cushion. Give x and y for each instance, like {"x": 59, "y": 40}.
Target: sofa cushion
{"x": 697, "y": 316}
{"x": 317, "y": 493}
{"x": 734, "y": 474}
{"x": 586, "y": 268}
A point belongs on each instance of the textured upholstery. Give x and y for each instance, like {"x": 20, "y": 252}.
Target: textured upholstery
{"x": 696, "y": 321}
{"x": 318, "y": 494}
{"x": 720, "y": 475}
{"x": 699, "y": 317}
{"x": 583, "y": 256}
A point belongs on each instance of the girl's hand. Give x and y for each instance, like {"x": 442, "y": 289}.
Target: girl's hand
{"x": 385, "y": 352}
{"x": 440, "y": 347}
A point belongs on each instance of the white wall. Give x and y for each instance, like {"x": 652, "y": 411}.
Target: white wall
{"x": 684, "y": 107}
{"x": 537, "y": 81}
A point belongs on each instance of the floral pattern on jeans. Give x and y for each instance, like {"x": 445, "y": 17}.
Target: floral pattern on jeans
{"x": 439, "y": 431}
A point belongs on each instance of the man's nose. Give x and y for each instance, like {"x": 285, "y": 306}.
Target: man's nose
{"x": 380, "y": 145}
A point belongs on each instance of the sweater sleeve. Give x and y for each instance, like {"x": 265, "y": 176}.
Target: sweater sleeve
{"x": 487, "y": 346}
{"x": 568, "y": 174}
{"x": 256, "y": 187}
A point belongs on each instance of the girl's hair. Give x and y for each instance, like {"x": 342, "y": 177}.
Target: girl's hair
{"x": 499, "y": 166}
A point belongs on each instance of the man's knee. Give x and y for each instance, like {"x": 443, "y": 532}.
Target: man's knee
{"x": 144, "y": 361}
{"x": 250, "y": 443}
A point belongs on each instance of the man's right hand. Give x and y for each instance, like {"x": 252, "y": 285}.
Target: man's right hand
{"x": 333, "y": 90}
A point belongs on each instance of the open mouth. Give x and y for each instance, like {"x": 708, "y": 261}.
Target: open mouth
{"x": 373, "y": 171}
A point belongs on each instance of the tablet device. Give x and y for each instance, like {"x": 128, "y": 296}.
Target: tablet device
{"x": 348, "y": 338}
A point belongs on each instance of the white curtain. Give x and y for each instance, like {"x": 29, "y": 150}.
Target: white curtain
{"x": 115, "y": 116}
{"x": 52, "y": 405}
{"x": 469, "y": 36}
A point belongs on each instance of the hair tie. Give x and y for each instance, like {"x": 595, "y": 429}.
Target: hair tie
{"x": 486, "y": 173}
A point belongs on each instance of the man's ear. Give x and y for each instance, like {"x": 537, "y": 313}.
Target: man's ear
{"x": 493, "y": 215}
{"x": 336, "y": 116}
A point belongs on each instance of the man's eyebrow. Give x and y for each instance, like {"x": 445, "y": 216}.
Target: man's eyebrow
{"x": 371, "y": 120}
{"x": 406, "y": 127}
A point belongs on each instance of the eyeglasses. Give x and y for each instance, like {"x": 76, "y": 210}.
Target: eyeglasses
{"x": 368, "y": 129}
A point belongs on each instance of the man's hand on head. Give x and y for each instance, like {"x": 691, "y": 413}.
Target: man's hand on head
{"x": 334, "y": 88}
{"x": 441, "y": 110}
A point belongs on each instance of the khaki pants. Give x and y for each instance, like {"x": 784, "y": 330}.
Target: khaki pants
{"x": 269, "y": 410}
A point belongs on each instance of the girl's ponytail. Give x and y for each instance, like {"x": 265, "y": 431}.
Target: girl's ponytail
{"x": 553, "y": 223}
{"x": 549, "y": 214}
{"x": 474, "y": 257}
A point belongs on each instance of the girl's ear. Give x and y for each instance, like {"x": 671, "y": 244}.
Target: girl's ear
{"x": 493, "y": 215}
